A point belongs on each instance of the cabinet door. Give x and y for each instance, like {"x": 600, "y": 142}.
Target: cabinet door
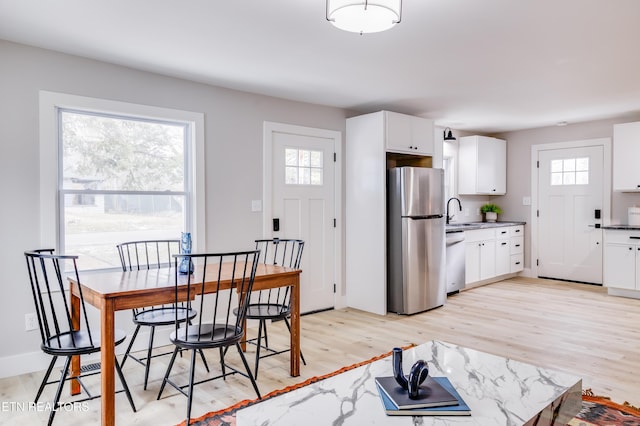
{"x": 517, "y": 262}
{"x": 626, "y": 151}
{"x": 620, "y": 266}
{"x": 482, "y": 165}
{"x": 398, "y": 132}
{"x": 405, "y": 133}
{"x": 488, "y": 259}
{"x": 503, "y": 256}
{"x": 492, "y": 166}
{"x": 637, "y": 269}
{"x": 472, "y": 261}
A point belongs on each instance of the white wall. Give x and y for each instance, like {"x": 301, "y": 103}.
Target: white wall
{"x": 233, "y": 150}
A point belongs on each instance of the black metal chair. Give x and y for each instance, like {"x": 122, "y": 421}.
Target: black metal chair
{"x": 273, "y": 304}
{"x": 151, "y": 254}
{"x": 47, "y": 273}
{"x": 222, "y": 277}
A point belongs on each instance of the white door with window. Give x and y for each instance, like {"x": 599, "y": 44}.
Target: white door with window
{"x": 301, "y": 191}
{"x": 570, "y": 213}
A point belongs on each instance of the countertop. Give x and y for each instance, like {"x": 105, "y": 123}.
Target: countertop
{"x": 468, "y": 226}
{"x": 623, "y": 227}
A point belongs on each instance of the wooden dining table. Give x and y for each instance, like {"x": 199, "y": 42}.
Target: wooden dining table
{"x": 115, "y": 291}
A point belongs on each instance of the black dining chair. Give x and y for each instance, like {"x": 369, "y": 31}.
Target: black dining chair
{"x": 152, "y": 254}
{"x": 60, "y": 337}
{"x": 227, "y": 281}
{"x": 273, "y": 304}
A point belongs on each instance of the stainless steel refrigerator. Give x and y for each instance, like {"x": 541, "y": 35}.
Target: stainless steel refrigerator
{"x": 416, "y": 261}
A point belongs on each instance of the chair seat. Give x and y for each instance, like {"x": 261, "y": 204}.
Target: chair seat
{"x": 63, "y": 344}
{"x": 268, "y": 311}
{"x": 208, "y": 335}
{"x": 163, "y": 315}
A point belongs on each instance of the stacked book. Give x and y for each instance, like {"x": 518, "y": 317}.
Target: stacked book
{"x": 437, "y": 397}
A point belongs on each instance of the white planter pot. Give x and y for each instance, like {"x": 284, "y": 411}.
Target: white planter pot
{"x": 491, "y": 216}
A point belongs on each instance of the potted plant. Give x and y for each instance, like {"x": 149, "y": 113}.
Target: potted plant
{"x": 491, "y": 212}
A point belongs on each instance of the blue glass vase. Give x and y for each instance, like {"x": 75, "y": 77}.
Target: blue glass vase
{"x": 186, "y": 266}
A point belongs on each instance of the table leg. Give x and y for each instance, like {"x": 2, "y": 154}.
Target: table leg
{"x": 295, "y": 328}
{"x": 107, "y": 358}
{"x": 75, "y": 361}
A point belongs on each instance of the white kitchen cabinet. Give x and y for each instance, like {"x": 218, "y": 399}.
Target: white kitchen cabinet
{"x": 482, "y": 166}
{"x": 406, "y": 133}
{"x": 368, "y": 139}
{"x": 480, "y": 254}
{"x": 503, "y": 251}
{"x": 516, "y": 244}
{"x": 493, "y": 252}
{"x": 626, "y": 151}
{"x": 622, "y": 259}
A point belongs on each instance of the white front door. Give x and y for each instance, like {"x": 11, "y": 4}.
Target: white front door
{"x": 570, "y": 212}
{"x": 302, "y": 202}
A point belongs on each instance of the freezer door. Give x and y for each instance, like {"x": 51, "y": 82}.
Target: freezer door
{"x": 423, "y": 264}
{"x": 416, "y": 191}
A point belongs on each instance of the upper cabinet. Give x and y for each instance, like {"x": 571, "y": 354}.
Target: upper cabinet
{"x": 482, "y": 166}
{"x": 626, "y": 151}
{"x": 409, "y": 134}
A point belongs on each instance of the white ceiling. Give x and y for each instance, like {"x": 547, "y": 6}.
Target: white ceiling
{"x": 481, "y": 65}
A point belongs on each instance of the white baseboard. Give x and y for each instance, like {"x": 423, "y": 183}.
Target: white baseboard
{"x": 621, "y": 292}
{"x": 29, "y": 362}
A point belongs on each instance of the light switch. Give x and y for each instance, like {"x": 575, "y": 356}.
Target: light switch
{"x": 526, "y": 201}
{"x": 256, "y": 205}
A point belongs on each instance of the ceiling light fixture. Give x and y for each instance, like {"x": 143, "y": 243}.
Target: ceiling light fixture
{"x": 448, "y": 136}
{"x": 364, "y": 16}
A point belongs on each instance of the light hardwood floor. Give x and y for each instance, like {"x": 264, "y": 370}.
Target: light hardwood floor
{"x": 565, "y": 326}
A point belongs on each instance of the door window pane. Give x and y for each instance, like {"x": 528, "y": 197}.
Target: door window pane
{"x": 570, "y": 171}
{"x": 303, "y": 167}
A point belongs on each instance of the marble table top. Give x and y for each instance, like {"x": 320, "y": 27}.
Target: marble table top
{"x": 499, "y": 391}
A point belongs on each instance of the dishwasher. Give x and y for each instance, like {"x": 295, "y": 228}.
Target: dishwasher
{"x": 455, "y": 261}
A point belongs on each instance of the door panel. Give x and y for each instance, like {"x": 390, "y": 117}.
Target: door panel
{"x": 570, "y": 190}
{"x": 303, "y": 199}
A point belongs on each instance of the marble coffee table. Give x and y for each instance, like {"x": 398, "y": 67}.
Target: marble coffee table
{"x": 499, "y": 391}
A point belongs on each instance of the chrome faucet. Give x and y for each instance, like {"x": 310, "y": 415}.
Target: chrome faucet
{"x": 459, "y": 207}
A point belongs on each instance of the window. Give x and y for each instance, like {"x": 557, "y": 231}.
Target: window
{"x": 303, "y": 167}
{"x": 570, "y": 171}
{"x": 124, "y": 172}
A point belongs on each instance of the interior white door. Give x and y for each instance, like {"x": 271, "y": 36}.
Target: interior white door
{"x": 303, "y": 203}
{"x": 570, "y": 200}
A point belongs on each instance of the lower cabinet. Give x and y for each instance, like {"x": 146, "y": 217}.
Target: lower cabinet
{"x": 622, "y": 259}
{"x": 503, "y": 251}
{"x": 480, "y": 255}
{"x": 492, "y": 252}
{"x": 516, "y": 252}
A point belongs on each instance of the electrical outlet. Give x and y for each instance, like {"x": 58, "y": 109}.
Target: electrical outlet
{"x": 30, "y": 321}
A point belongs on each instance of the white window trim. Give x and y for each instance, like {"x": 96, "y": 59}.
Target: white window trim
{"x": 49, "y": 157}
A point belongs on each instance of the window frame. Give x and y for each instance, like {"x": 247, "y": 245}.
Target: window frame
{"x": 50, "y": 158}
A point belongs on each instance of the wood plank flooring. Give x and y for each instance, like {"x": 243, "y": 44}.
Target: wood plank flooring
{"x": 565, "y": 326}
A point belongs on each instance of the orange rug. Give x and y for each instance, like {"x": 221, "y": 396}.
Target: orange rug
{"x": 601, "y": 411}
{"x": 596, "y": 410}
